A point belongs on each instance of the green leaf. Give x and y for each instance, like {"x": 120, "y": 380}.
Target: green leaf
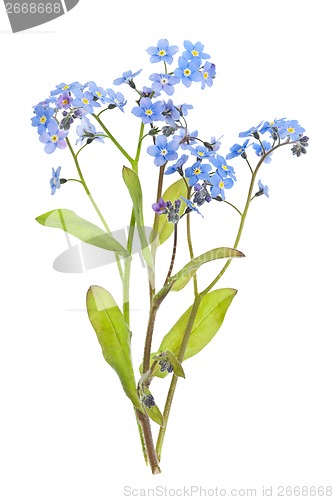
{"x": 114, "y": 337}
{"x": 187, "y": 272}
{"x": 132, "y": 182}
{"x": 209, "y": 318}
{"x": 177, "y": 367}
{"x": 69, "y": 221}
{"x": 155, "y": 414}
{"x": 165, "y": 229}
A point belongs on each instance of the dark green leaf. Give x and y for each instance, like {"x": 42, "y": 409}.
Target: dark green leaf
{"x": 69, "y": 221}
{"x": 114, "y": 337}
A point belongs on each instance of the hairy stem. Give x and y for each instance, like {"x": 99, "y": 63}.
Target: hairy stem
{"x": 170, "y": 270}
{"x": 145, "y": 424}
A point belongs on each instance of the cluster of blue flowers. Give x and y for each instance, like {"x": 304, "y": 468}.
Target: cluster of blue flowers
{"x": 206, "y": 171}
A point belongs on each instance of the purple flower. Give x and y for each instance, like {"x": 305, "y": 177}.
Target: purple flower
{"x": 149, "y": 111}
{"x": 85, "y": 100}
{"x": 160, "y": 207}
{"x": 163, "y": 151}
{"x": 162, "y": 52}
{"x": 53, "y": 138}
{"x": 164, "y": 82}
{"x": 188, "y": 71}
{"x": 127, "y": 77}
{"x": 64, "y": 100}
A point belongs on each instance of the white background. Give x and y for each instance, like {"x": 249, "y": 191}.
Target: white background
{"x": 256, "y": 407}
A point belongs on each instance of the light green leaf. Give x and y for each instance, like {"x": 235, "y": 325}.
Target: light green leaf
{"x": 114, "y": 337}
{"x": 69, "y": 221}
{"x": 209, "y": 318}
{"x": 177, "y": 367}
{"x": 132, "y": 182}
{"x": 155, "y": 414}
{"x": 187, "y": 272}
{"x": 165, "y": 229}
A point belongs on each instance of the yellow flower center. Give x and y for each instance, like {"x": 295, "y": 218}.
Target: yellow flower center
{"x": 85, "y": 100}
{"x": 291, "y": 130}
{"x": 224, "y": 167}
{"x": 200, "y": 153}
{"x": 187, "y": 72}
{"x": 221, "y": 184}
{"x": 239, "y": 150}
{"x": 148, "y": 112}
{"x": 195, "y": 53}
{"x": 54, "y": 138}
{"x": 66, "y": 87}
{"x": 42, "y": 119}
{"x": 98, "y": 94}
{"x": 197, "y": 171}
{"x": 65, "y": 101}
{"x": 161, "y": 53}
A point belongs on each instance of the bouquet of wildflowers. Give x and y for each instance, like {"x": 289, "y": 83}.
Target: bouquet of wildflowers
{"x": 191, "y": 171}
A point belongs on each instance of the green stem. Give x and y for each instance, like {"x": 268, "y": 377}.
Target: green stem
{"x": 196, "y": 305}
{"x": 112, "y": 138}
{"x": 191, "y": 252}
{"x": 170, "y": 270}
{"x": 83, "y": 182}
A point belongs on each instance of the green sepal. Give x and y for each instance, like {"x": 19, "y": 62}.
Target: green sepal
{"x": 114, "y": 337}
{"x": 153, "y": 412}
{"x": 71, "y": 223}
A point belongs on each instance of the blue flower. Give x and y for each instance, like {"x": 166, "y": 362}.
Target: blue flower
{"x": 223, "y": 169}
{"x": 149, "y": 111}
{"x": 251, "y": 132}
{"x": 42, "y": 118}
{"x": 200, "y": 151}
{"x": 191, "y": 206}
{"x": 208, "y": 73}
{"x": 163, "y": 151}
{"x": 171, "y": 114}
{"x": 53, "y": 138}
{"x": 127, "y": 77}
{"x": 178, "y": 166}
{"x": 290, "y": 128}
{"x": 98, "y": 92}
{"x": 162, "y": 52}
{"x": 85, "y": 100}
{"x": 219, "y": 184}
{"x": 194, "y": 51}
{"x": 268, "y": 126}
{"x": 64, "y": 87}
{"x": 116, "y": 99}
{"x": 188, "y": 71}
{"x": 55, "y": 180}
{"x": 262, "y": 190}
{"x": 163, "y": 82}
{"x": 198, "y": 172}
{"x": 259, "y": 151}
{"x": 188, "y": 140}
{"x": 183, "y": 108}
{"x": 87, "y": 131}
{"x": 64, "y": 100}
{"x": 237, "y": 150}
